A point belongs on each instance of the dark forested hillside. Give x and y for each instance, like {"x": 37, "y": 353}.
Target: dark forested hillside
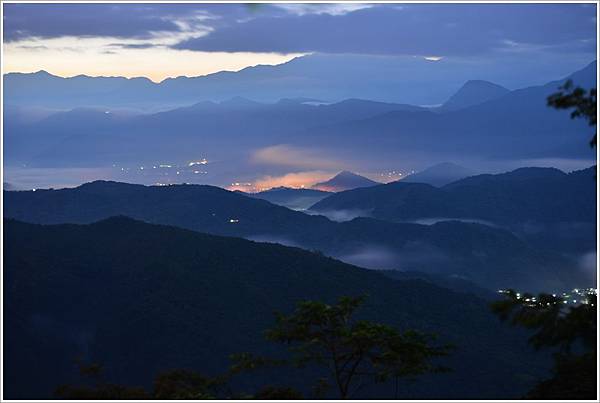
{"x": 526, "y": 194}
{"x": 491, "y": 257}
{"x": 545, "y": 206}
{"x": 141, "y": 298}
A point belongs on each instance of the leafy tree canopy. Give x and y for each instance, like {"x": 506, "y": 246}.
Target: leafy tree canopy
{"x": 583, "y": 102}
{"x": 355, "y": 351}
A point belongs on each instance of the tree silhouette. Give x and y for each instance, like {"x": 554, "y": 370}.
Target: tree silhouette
{"x": 96, "y": 388}
{"x": 278, "y": 393}
{"x": 555, "y": 323}
{"x": 355, "y": 351}
{"x": 583, "y": 102}
{"x": 183, "y": 384}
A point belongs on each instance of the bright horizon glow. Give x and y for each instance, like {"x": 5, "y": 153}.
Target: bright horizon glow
{"x": 72, "y": 56}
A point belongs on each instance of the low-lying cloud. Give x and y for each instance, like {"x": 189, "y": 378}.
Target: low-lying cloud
{"x": 342, "y": 215}
{"x": 435, "y": 220}
{"x": 285, "y": 155}
{"x": 372, "y": 257}
{"x": 413, "y": 255}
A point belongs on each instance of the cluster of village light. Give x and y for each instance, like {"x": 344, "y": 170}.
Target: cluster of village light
{"x": 395, "y": 175}
{"x": 192, "y": 167}
{"x": 574, "y": 297}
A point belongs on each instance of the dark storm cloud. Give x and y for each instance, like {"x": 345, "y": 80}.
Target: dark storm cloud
{"x": 457, "y": 29}
{"x": 107, "y": 20}
{"x": 397, "y": 29}
{"x": 55, "y": 20}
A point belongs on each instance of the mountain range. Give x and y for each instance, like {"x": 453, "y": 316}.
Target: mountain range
{"x": 488, "y": 256}
{"x": 345, "y": 180}
{"x": 474, "y": 92}
{"x": 377, "y": 134}
{"x": 546, "y": 206}
{"x": 440, "y": 174}
{"x": 318, "y": 76}
{"x": 525, "y": 194}
{"x": 140, "y": 298}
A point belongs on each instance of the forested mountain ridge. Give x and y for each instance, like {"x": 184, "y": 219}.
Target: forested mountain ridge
{"x": 119, "y": 291}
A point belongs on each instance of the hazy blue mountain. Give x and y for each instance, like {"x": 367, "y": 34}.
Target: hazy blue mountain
{"x": 491, "y": 257}
{"x": 240, "y": 103}
{"x": 301, "y": 100}
{"x": 525, "y": 194}
{"x": 326, "y": 77}
{"x": 313, "y": 76}
{"x": 474, "y": 92}
{"x": 44, "y": 89}
{"x": 345, "y": 180}
{"x": 85, "y": 136}
{"x": 140, "y": 299}
{"x": 295, "y": 199}
{"x": 517, "y": 125}
{"x": 440, "y": 174}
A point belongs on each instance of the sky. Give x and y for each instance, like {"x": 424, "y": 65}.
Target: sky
{"x": 169, "y": 40}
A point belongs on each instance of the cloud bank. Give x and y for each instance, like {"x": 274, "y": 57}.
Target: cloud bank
{"x": 284, "y": 155}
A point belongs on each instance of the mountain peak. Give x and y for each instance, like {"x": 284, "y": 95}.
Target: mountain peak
{"x": 42, "y": 73}
{"x": 474, "y": 92}
{"x": 344, "y": 180}
{"x": 481, "y": 84}
{"x": 347, "y": 174}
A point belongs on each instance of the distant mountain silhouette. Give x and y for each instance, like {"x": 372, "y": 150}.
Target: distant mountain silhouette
{"x": 525, "y": 194}
{"x": 91, "y": 136}
{"x": 440, "y": 174}
{"x": 295, "y": 199}
{"x": 553, "y": 209}
{"x": 474, "y": 92}
{"x": 317, "y": 76}
{"x": 517, "y": 125}
{"x": 345, "y": 180}
{"x": 491, "y": 257}
{"x": 140, "y": 299}
{"x": 240, "y": 102}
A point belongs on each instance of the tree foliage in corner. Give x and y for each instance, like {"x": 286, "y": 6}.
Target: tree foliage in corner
{"x": 584, "y": 103}
{"x": 572, "y": 330}
{"x": 356, "y": 352}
